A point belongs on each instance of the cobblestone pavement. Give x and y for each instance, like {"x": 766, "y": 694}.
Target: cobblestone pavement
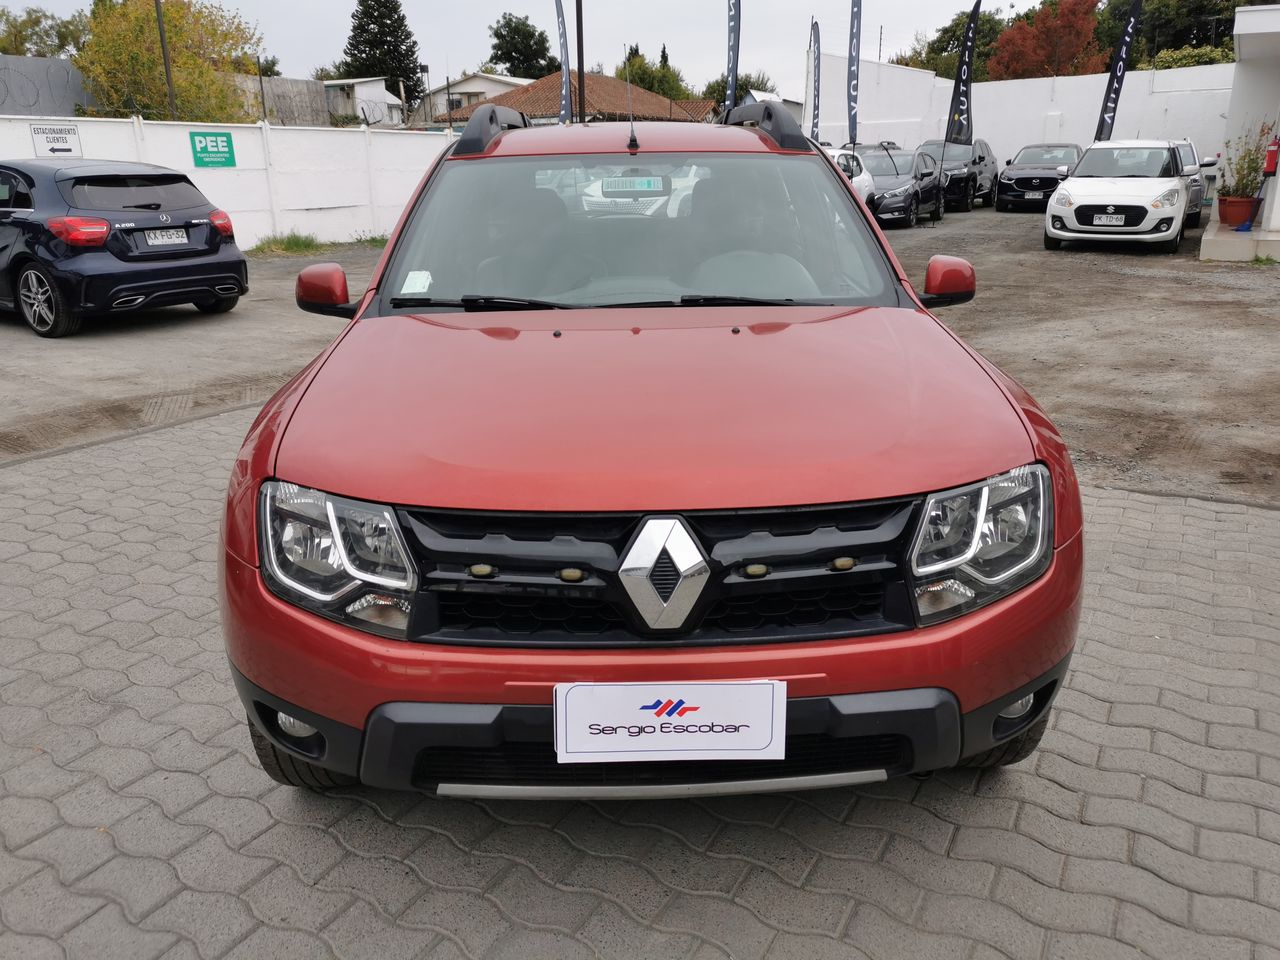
{"x": 136, "y": 826}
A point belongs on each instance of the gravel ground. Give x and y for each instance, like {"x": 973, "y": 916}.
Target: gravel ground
{"x": 1159, "y": 370}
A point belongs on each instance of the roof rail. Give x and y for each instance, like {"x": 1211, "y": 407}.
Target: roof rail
{"x": 773, "y": 121}
{"x": 486, "y": 123}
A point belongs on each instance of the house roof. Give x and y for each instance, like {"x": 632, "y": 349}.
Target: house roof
{"x": 606, "y": 97}
{"x": 698, "y": 110}
{"x": 499, "y": 77}
{"x": 352, "y": 80}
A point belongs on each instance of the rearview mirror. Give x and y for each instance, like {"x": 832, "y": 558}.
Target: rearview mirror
{"x": 322, "y": 288}
{"x": 947, "y": 282}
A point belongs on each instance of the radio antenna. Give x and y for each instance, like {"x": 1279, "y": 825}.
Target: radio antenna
{"x": 633, "y": 144}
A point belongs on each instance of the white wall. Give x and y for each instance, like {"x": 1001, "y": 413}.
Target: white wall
{"x": 910, "y": 106}
{"x": 334, "y": 183}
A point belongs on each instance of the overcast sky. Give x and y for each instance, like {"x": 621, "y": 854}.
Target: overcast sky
{"x": 453, "y": 36}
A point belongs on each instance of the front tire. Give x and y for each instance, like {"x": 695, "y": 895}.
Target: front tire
{"x": 1171, "y": 246}
{"x": 1011, "y": 751}
{"x": 1052, "y": 243}
{"x": 292, "y": 771}
{"x": 970, "y": 197}
{"x": 217, "y": 305}
{"x": 1193, "y": 221}
{"x": 42, "y": 305}
{"x": 913, "y": 213}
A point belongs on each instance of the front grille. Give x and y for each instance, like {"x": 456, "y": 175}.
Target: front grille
{"x": 1046, "y": 184}
{"x": 527, "y": 601}
{"x": 1133, "y": 216}
{"x": 534, "y": 764}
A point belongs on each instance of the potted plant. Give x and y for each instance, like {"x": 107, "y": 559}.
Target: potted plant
{"x": 1242, "y": 175}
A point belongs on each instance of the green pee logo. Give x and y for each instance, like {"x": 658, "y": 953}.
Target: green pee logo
{"x": 213, "y": 149}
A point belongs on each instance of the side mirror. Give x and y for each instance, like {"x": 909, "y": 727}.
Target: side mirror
{"x": 947, "y": 282}
{"x": 1008, "y": 163}
{"x": 1064, "y": 171}
{"x": 322, "y": 288}
{"x": 1211, "y": 162}
{"x": 1190, "y": 171}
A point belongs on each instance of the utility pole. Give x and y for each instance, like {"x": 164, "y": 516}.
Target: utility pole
{"x": 880, "y": 52}
{"x": 582, "y": 72}
{"x": 168, "y": 70}
{"x": 404, "y": 107}
{"x": 427, "y": 109}
{"x": 448, "y": 102}
{"x": 262, "y": 89}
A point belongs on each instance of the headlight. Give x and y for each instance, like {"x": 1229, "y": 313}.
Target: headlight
{"x": 982, "y": 542}
{"x": 344, "y": 559}
{"x": 1005, "y": 178}
{"x": 1063, "y": 199}
{"x": 1169, "y": 198}
{"x": 899, "y": 192}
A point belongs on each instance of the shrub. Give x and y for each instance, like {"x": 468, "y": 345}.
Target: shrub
{"x": 1244, "y": 159}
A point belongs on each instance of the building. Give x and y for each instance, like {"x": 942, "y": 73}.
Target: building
{"x": 1255, "y": 97}
{"x": 608, "y": 98}
{"x": 364, "y": 100}
{"x": 470, "y": 89}
{"x": 793, "y": 107}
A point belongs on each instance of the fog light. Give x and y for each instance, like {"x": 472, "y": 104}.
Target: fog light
{"x": 756, "y": 570}
{"x": 1018, "y": 708}
{"x": 381, "y": 609}
{"x": 482, "y": 571}
{"x": 935, "y": 598}
{"x": 571, "y": 575}
{"x": 1058, "y": 224}
{"x": 1164, "y": 226}
{"x": 842, "y": 564}
{"x": 293, "y": 727}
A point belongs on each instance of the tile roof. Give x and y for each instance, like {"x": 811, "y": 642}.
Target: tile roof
{"x": 606, "y": 98}
{"x": 699, "y": 110}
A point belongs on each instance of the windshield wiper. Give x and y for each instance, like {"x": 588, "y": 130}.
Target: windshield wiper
{"x": 720, "y": 300}
{"x": 475, "y": 303}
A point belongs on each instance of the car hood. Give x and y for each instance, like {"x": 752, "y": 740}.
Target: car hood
{"x": 1132, "y": 190}
{"x": 891, "y": 183}
{"x": 654, "y": 409}
{"x": 1030, "y": 170}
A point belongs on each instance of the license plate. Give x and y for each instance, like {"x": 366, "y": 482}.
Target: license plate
{"x": 627, "y": 722}
{"x": 1108, "y": 219}
{"x": 1034, "y": 194}
{"x": 164, "y": 238}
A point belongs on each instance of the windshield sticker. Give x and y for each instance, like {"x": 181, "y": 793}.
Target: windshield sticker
{"x": 418, "y": 281}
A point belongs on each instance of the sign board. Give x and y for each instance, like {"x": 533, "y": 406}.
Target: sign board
{"x": 61, "y": 140}
{"x": 213, "y": 149}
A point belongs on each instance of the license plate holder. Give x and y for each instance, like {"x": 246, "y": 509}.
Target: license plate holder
{"x": 1034, "y": 195}
{"x": 705, "y": 720}
{"x": 165, "y": 238}
{"x": 1108, "y": 219}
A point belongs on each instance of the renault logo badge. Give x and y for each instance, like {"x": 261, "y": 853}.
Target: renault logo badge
{"x": 664, "y": 572}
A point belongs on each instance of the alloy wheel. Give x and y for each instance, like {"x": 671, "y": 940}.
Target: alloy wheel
{"x": 36, "y": 297}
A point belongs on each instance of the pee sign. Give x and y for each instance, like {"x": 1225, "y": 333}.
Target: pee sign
{"x": 213, "y": 150}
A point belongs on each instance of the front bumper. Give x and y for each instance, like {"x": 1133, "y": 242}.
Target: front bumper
{"x": 505, "y": 751}
{"x": 354, "y": 684}
{"x": 1007, "y": 193}
{"x": 892, "y": 208}
{"x": 1158, "y": 227}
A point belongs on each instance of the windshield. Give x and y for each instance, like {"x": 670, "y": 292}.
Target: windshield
{"x": 1126, "y": 162}
{"x": 955, "y": 151}
{"x": 151, "y": 192}
{"x": 606, "y": 230}
{"x": 885, "y": 163}
{"x": 1046, "y": 156}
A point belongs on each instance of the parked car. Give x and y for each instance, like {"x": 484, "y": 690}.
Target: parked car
{"x": 1135, "y": 191}
{"x": 907, "y": 185}
{"x": 690, "y": 505}
{"x": 86, "y": 237}
{"x": 1030, "y": 178}
{"x": 972, "y": 170}
{"x": 851, "y": 166}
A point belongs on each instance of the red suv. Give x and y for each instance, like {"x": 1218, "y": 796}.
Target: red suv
{"x": 642, "y": 470}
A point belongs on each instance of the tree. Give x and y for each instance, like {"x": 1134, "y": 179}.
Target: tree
{"x": 718, "y": 88}
{"x": 1171, "y": 24}
{"x": 521, "y": 48}
{"x": 268, "y": 67}
{"x": 660, "y": 77}
{"x": 1056, "y": 40}
{"x": 123, "y": 68}
{"x": 38, "y": 33}
{"x": 330, "y": 71}
{"x": 941, "y": 54}
{"x": 382, "y": 45}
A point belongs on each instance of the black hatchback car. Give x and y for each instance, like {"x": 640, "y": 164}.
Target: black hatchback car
{"x": 908, "y": 185}
{"x": 85, "y": 237}
{"x": 971, "y": 170}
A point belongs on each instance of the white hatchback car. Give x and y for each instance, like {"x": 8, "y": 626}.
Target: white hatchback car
{"x": 850, "y": 165}
{"x": 1140, "y": 191}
